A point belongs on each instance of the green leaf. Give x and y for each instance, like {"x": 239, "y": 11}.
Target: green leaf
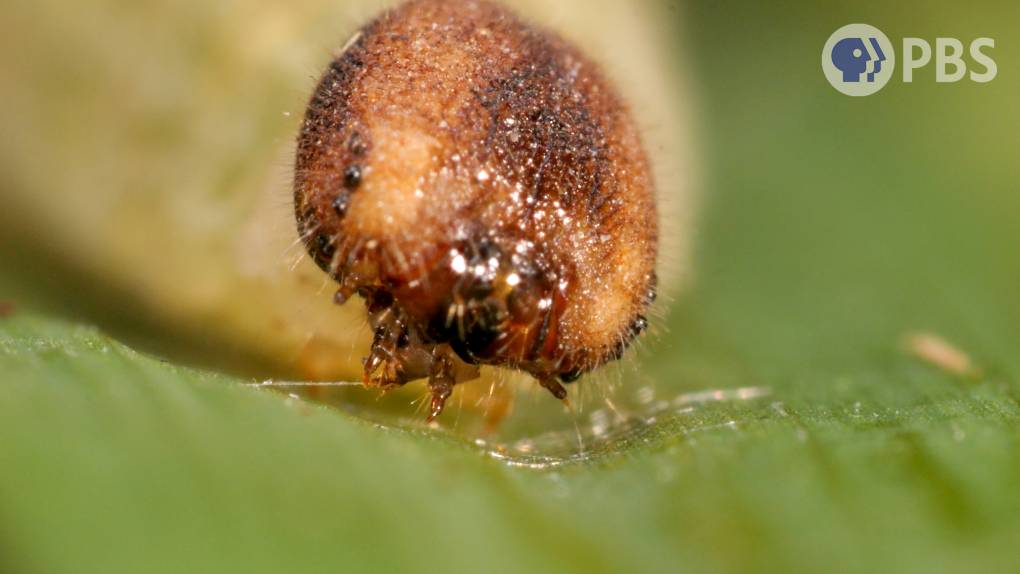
{"x": 114, "y": 461}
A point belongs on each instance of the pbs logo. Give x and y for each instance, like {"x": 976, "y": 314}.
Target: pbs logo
{"x": 859, "y": 60}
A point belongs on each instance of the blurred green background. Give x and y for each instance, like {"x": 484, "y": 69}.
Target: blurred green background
{"x": 830, "y": 228}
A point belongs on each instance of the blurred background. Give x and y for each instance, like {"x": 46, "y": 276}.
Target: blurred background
{"x": 144, "y": 188}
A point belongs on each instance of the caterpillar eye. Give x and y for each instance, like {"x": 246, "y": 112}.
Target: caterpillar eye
{"x": 352, "y": 177}
{"x": 571, "y": 376}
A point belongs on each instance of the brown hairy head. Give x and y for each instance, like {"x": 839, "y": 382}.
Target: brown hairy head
{"x": 481, "y": 185}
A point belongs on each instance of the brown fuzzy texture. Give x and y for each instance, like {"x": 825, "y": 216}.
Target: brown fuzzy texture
{"x": 478, "y": 179}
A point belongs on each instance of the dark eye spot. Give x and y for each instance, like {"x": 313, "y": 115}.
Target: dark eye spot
{"x": 357, "y": 144}
{"x": 325, "y": 245}
{"x": 653, "y": 289}
{"x": 651, "y": 296}
{"x": 342, "y": 201}
{"x": 571, "y": 376}
{"x": 640, "y": 325}
{"x": 352, "y": 176}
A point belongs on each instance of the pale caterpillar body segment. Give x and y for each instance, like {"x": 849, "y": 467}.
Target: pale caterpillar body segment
{"x": 479, "y": 182}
